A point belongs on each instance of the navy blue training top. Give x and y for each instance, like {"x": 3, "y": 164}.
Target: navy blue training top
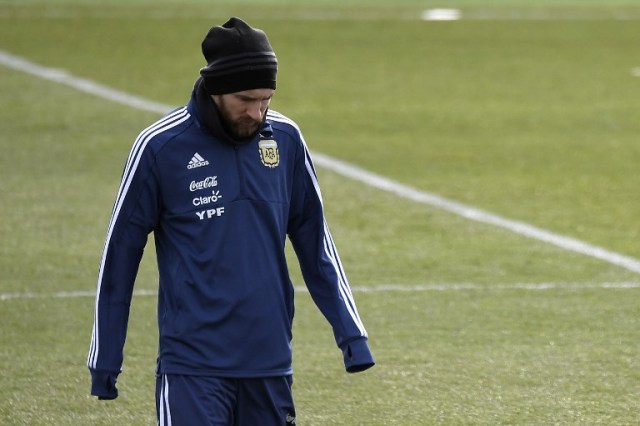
{"x": 220, "y": 215}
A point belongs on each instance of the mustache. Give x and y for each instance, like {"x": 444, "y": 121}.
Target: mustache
{"x": 248, "y": 121}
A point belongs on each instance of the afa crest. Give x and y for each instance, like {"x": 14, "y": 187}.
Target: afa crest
{"x": 269, "y": 153}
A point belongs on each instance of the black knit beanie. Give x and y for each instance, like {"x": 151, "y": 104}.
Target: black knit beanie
{"x": 239, "y": 58}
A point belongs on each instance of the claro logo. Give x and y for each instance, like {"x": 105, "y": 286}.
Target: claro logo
{"x": 209, "y": 182}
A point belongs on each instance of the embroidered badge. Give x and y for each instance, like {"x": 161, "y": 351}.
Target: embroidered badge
{"x": 269, "y": 153}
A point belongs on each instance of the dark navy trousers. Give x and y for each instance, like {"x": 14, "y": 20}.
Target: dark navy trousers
{"x": 219, "y": 401}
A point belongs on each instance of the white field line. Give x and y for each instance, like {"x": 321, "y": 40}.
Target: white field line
{"x": 441, "y": 14}
{"x": 382, "y": 288}
{"x": 345, "y": 169}
{"x": 63, "y": 77}
{"x": 472, "y": 213}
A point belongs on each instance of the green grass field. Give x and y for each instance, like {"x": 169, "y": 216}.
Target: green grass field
{"x": 526, "y": 109}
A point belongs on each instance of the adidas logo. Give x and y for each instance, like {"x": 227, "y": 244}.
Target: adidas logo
{"x": 197, "y": 161}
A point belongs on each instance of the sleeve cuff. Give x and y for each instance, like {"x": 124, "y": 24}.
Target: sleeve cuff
{"x": 357, "y": 356}
{"x": 103, "y": 384}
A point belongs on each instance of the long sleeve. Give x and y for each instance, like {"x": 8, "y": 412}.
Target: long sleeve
{"x": 321, "y": 267}
{"x": 134, "y": 216}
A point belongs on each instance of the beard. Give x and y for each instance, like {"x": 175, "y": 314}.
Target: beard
{"x": 238, "y": 128}
{"x": 242, "y": 128}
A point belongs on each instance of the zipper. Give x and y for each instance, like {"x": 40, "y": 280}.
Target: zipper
{"x": 240, "y": 170}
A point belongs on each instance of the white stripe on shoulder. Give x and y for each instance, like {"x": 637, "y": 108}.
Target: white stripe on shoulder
{"x": 161, "y": 122}
{"x": 281, "y": 118}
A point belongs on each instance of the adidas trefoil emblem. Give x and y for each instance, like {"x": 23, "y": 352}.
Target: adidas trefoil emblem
{"x": 197, "y": 161}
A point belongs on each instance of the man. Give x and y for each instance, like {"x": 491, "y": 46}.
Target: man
{"x": 221, "y": 182}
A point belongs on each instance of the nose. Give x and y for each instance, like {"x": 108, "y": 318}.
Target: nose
{"x": 255, "y": 110}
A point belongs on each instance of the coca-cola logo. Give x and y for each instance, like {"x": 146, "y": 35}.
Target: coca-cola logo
{"x": 209, "y": 182}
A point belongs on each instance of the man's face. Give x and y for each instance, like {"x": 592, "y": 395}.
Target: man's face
{"x": 243, "y": 112}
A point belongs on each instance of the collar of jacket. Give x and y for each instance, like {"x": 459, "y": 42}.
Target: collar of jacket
{"x": 209, "y": 117}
